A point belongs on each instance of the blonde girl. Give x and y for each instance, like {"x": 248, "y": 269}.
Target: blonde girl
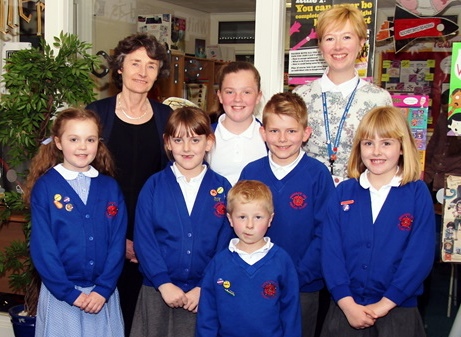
{"x": 377, "y": 246}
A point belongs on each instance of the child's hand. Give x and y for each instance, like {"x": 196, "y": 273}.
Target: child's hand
{"x": 93, "y": 303}
{"x": 129, "y": 252}
{"x": 80, "y": 299}
{"x": 358, "y": 316}
{"x": 193, "y": 297}
{"x": 382, "y": 307}
{"x": 173, "y": 296}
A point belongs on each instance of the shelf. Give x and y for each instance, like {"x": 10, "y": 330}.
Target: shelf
{"x": 191, "y": 78}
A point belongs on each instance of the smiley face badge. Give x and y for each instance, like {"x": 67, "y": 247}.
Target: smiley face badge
{"x": 57, "y": 201}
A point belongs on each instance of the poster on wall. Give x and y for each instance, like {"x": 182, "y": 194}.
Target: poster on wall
{"x": 158, "y": 25}
{"x": 451, "y": 220}
{"x": 305, "y": 60}
{"x": 407, "y": 26}
{"x": 421, "y": 73}
{"x": 168, "y": 29}
{"x": 454, "y": 102}
{"x": 415, "y": 109}
{"x": 178, "y": 34}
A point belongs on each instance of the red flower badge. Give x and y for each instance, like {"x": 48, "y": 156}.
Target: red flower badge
{"x": 298, "y": 200}
{"x": 220, "y": 209}
{"x": 111, "y": 209}
{"x": 406, "y": 221}
{"x": 269, "y": 289}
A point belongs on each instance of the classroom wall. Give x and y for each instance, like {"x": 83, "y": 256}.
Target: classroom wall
{"x": 112, "y": 24}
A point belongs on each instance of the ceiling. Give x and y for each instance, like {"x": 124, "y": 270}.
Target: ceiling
{"x": 235, "y": 6}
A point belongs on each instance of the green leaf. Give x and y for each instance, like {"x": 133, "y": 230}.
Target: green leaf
{"x": 39, "y": 81}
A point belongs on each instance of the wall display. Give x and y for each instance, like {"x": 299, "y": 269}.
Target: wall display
{"x": 420, "y": 73}
{"x": 454, "y": 102}
{"x": 406, "y": 27}
{"x": 178, "y": 34}
{"x": 305, "y": 61}
{"x": 451, "y": 220}
{"x": 423, "y": 8}
{"x": 415, "y": 108}
{"x": 168, "y": 29}
{"x": 158, "y": 25}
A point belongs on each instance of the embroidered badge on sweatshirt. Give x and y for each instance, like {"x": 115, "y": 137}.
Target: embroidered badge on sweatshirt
{"x": 220, "y": 206}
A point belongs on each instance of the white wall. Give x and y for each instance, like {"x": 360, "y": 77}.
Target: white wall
{"x": 113, "y": 24}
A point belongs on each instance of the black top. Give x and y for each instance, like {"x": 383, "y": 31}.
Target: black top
{"x": 137, "y": 150}
{"x": 129, "y": 145}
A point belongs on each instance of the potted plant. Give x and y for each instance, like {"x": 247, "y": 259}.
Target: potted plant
{"x": 40, "y": 82}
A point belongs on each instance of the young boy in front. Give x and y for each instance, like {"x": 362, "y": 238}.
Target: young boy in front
{"x": 250, "y": 289}
{"x": 300, "y": 187}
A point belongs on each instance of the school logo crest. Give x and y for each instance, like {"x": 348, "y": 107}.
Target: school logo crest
{"x": 406, "y": 221}
{"x": 111, "y": 209}
{"x": 270, "y": 289}
{"x": 298, "y": 200}
{"x": 220, "y": 209}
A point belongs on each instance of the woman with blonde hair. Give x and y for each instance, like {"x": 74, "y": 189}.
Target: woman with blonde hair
{"x": 339, "y": 99}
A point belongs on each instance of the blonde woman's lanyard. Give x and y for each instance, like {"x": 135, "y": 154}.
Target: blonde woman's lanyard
{"x": 333, "y": 148}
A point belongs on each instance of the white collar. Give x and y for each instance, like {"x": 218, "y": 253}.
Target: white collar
{"x": 70, "y": 175}
{"x": 344, "y": 88}
{"x": 180, "y": 176}
{"x": 227, "y": 135}
{"x": 365, "y": 183}
{"x": 285, "y": 168}
{"x": 233, "y": 246}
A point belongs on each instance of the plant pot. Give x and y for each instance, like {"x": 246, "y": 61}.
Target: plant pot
{"x": 23, "y": 326}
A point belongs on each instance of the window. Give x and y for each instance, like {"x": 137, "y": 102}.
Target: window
{"x": 231, "y": 32}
